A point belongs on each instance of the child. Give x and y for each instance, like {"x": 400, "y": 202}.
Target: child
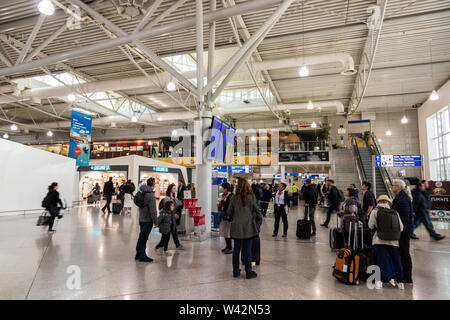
{"x": 384, "y": 247}
{"x": 166, "y": 220}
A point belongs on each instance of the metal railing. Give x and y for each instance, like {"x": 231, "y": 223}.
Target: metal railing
{"x": 358, "y": 161}
{"x": 305, "y": 146}
{"x": 385, "y": 173}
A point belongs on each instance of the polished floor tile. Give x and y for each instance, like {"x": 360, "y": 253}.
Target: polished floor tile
{"x": 36, "y": 265}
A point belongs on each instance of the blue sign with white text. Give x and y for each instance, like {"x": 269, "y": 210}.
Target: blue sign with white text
{"x": 80, "y": 138}
{"x": 407, "y": 160}
{"x": 241, "y": 169}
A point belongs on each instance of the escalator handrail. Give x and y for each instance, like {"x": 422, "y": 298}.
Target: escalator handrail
{"x": 359, "y": 167}
{"x": 385, "y": 174}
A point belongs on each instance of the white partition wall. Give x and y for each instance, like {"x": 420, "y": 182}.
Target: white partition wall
{"x": 26, "y": 173}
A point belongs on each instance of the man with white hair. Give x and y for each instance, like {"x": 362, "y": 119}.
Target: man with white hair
{"x": 403, "y": 205}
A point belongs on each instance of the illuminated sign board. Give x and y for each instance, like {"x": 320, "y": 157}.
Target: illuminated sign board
{"x": 222, "y": 141}
{"x": 101, "y": 168}
{"x": 160, "y": 169}
{"x": 414, "y": 160}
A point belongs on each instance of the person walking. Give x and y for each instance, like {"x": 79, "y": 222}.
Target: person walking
{"x": 171, "y": 195}
{"x": 333, "y": 201}
{"x": 108, "y": 192}
{"x": 281, "y": 209}
{"x": 244, "y": 212}
{"x": 147, "y": 218}
{"x": 166, "y": 222}
{"x": 384, "y": 248}
{"x": 310, "y": 196}
{"x": 224, "y": 219}
{"x": 96, "y": 193}
{"x": 295, "y": 195}
{"x": 52, "y": 203}
{"x": 403, "y": 205}
{"x": 422, "y": 205}
{"x": 265, "y": 200}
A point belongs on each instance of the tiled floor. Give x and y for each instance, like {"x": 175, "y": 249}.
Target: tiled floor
{"x": 34, "y": 264}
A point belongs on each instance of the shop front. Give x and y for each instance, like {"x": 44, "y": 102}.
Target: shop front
{"x": 164, "y": 177}
{"x": 93, "y": 174}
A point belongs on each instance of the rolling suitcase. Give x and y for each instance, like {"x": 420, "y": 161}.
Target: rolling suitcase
{"x": 256, "y": 251}
{"x": 304, "y": 228}
{"x": 90, "y": 200}
{"x": 117, "y": 207}
{"x": 347, "y": 266}
{"x": 337, "y": 238}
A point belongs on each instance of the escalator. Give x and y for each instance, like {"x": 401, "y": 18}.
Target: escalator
{"x": 363, "y": 156}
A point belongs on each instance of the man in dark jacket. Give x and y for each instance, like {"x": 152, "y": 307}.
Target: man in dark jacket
{"x": 108, "y": 192}
{"x": 403, "y": 205}
{"x": 421, "y": 205}
{"x": 147, "y": 218}
{"x": 333, "y": 201}
{"x": 310, "y": 196}
{"x": 369, "y": 202}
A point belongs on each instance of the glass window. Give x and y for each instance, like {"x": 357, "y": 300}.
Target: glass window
{"x": 438, "y": 130}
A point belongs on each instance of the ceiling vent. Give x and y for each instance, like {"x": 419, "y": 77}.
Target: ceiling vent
{"x": 131, "y": 9}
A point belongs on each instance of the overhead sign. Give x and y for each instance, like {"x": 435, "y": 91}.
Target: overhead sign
{"x": 220, "y": 168}
{"x": 101, "y": 168}
{"x": 240, "y": 169}
{"x": 160, "y": 169}
{"x": 414, "y": 160}
{"x": 80, "y": 138}
{"x": 221, "y": 146}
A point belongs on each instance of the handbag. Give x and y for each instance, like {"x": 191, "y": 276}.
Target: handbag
{"x": 43, "y": 219}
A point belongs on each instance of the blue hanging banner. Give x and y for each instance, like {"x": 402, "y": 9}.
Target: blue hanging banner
{"x": 80, "y": 138}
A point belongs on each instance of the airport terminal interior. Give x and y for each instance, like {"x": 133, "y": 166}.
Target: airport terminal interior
{"x": 225, "y": 149}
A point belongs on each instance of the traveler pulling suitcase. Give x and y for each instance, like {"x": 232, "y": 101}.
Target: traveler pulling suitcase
{"x": 304, "y": 227}
{"x": 346, "y": 268}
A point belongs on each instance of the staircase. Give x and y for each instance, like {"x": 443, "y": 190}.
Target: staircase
{"x": 366, "y": 158}
{"x": 344, "y": 169}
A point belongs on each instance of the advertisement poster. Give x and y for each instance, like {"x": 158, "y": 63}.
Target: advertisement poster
{"x": 440, "y": 195}
{"x": 80, "y": 138}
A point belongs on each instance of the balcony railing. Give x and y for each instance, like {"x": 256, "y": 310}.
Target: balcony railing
{"x": 305, "y": 146}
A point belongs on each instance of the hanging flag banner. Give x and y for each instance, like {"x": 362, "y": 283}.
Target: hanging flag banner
{"x": 80, "y": 138}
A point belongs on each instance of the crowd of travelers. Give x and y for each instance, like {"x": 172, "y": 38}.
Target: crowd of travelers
{"x": 242, "y": 208}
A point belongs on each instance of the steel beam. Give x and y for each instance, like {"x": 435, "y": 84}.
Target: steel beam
{"x": 147, "y": 15}
{"x": 186, "y": 23}
{"x": 30, "y": 39}
{"x": 366, "y": 61}
{"x": 166, "y": 13}
{"x": 199, "y": 41}
{"x": 256, "y": 38}
{"x": 46, "y": 42}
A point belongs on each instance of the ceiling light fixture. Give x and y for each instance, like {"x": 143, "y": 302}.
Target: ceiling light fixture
{"x": 134, "y": 119}
{"x": 49, "y": 134}
{"x": 174, "y": 132}
{"x": 71, "y": 97}
{"x": 149, "y": 143}
{"x": 389, "y": 133}
{"x": 46, "y": 7}
{"x": 434, "y": 96}
{"x": 310, "y": 105}
{"x": 404, "y": 120}
{"x": 304, "y": 71}
{"x": 5, "y": 136}
{"x": 171, "y": 86}
{"x": 253, "y": 138}
{"x": 13, "y": 127}
{"x": 107, "y": 144}
{"x": 159, "y": 118}
{"x": 380, "y": 140}
{"x": 313, "y": 125}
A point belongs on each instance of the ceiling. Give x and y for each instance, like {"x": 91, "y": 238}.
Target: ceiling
{"x": 412, "y": 58}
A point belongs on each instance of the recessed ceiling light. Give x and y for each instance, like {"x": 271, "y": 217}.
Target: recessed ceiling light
{"x": 434, "y": 96}
{"x": 13, "y": 127}
{"x": 5, "y": 136}
{"x": 389, "y": 133}
{"x": 304, "y": 71}
{"x": 404, "y": 120}
{"x": 171, "y": 86}
{"x": 71, "y": 97}
{"x": 313, "y": 125}
{"x": 310, "y": 105}
{"x": 49, "y": 134}
{"x": 134, "y": 119}
{"x": 106, "y": 144}
{"x": 46, "y": 7}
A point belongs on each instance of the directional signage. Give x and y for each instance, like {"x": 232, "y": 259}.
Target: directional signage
{"x": 414, "y": 160}
{"x": 240, "y": 169}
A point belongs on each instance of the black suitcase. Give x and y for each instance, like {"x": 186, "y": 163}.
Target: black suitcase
{"x": 337, "y": 237}
{"x": 304, "y": 227}
{"x": 256, "y": 251}
{"x": 117, "y": 207}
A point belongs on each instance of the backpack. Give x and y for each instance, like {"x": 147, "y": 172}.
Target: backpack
{"x": 45, "y": 203}
{"x": 161, "y": 204}
{"x": 388, "y": 224}
{"x": 139, "y": 199}
{"x": 341, "y": 196}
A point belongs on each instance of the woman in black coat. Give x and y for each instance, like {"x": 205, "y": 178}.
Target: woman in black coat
{"x": 53, "y": 203}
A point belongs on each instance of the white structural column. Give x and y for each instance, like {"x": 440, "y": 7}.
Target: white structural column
{"x": 204, "y": 166}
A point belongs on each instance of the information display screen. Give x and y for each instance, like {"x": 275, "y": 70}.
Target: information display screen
{"x": 221, "y": 146}
{"x": 240, "y": 169}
